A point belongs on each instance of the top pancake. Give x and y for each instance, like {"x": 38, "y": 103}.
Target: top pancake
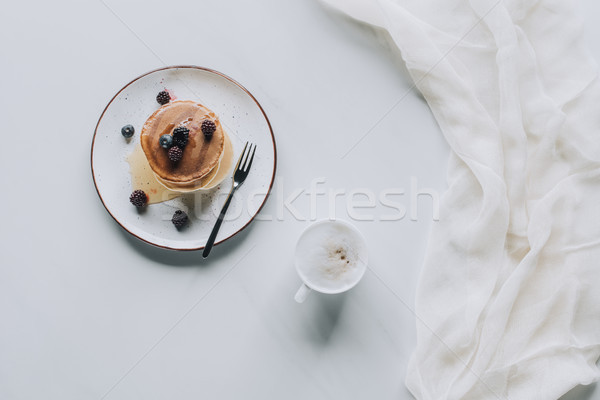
{"x": 200, "y": 155}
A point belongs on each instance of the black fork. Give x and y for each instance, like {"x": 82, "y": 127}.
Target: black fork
{"x": 239, "y": 176}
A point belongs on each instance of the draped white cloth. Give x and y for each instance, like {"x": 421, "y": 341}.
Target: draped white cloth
{"x": 508, "y": 304}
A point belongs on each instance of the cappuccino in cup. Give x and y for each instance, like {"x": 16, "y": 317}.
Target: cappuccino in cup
{"x": 331, "y": 257}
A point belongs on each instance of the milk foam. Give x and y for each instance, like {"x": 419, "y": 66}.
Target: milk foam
{"x": 329, "y": 256}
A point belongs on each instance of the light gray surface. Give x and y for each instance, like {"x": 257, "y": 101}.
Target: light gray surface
{"x": 88, "y": 312}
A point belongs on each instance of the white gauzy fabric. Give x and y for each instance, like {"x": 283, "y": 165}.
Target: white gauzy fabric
{"x": 508, "y": 303}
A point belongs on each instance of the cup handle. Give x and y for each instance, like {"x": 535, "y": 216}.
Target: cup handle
{"x": 302, "y": 293}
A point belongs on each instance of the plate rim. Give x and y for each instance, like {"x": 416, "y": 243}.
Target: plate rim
{"x": 205, "y": 70}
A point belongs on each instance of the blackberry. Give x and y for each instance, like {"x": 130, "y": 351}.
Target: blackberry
{"x": 175, "y": 154}
{"x": 181, "y": 135}
{"x": 138, "y": 198}
{"x": 180, "y": 218}
{"x": 208, "y": 127}
{"x": 165, "y": 141}
{"x": 127, "y": 131}
{"x": 163, "y": 97}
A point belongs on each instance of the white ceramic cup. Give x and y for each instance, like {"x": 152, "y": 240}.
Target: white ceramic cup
{"x": 331, "y": 257}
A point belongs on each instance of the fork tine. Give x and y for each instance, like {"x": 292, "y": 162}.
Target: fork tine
{"x": 243, "y": 167}
{"x": 237, "y": 166}
{"x": 251, "y": 156}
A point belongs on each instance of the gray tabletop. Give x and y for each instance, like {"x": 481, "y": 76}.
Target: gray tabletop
{"x": 89, "y": 312}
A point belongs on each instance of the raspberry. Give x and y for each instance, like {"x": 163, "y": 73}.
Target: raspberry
{"x": 138, "y": 198}
{"x": 208, "y": 127}
{"x": 175, "y": 154}
{"x": 179, "y": 219}
{"x": 181, "y": 135}
{"x": 163, "y": 97}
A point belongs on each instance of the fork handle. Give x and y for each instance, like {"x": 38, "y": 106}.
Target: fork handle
{"x": 215, "y": 230}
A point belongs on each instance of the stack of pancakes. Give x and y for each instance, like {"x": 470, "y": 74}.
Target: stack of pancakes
{"x": 202, "y": 155}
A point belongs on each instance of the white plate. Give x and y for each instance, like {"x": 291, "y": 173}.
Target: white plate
{"x": 243, "y": 119}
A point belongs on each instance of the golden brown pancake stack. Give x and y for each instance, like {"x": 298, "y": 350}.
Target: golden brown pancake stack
{"x": 201, "y": 155}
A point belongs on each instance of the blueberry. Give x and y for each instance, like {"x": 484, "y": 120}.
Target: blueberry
{"x": 127, "y": 131}
{"x": 166, "y": 141}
